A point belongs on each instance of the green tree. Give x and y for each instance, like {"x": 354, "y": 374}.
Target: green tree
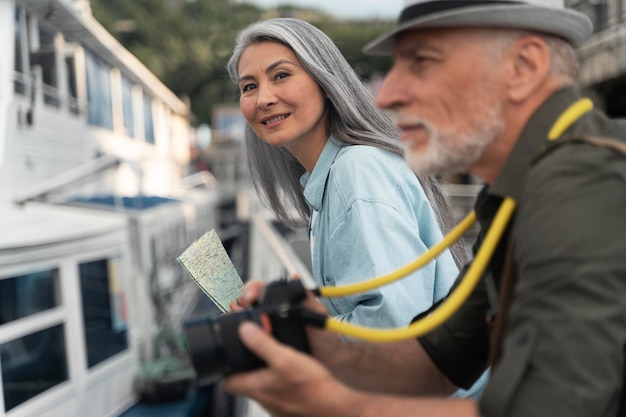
{"x": 187, "y": 43}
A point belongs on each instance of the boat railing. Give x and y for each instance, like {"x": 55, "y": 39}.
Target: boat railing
{"x": 29, "y": 85}
{"x": 276, "y": 253}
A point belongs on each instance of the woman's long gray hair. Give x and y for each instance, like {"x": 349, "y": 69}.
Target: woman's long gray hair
{"x": 353, "y": 118}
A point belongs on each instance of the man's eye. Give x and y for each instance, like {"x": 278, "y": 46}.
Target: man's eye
{"x": 421, "y": 60}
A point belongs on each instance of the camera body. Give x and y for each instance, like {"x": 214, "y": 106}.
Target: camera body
{"x": 214, "y": 344}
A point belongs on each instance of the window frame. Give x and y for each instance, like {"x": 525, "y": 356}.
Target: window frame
{"x": 69, "y": 315}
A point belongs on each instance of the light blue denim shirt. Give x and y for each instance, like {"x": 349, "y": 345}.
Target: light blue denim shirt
{"x": 372, "y": 218}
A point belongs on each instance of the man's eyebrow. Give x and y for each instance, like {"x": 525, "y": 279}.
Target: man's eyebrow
{"x": 268, "y": 69}
{"x": 415, "y": 48}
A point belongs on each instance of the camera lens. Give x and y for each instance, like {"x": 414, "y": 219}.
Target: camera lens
{"x": 215, "y": 347}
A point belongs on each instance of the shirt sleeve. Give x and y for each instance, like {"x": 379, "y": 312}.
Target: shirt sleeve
{"x": 373, "y": 239}
{"x": 563, "y": 352}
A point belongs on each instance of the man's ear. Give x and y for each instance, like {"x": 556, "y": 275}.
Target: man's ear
{"x": 530, "y": 67}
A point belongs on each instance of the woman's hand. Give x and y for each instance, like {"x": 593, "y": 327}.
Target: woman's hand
{"x": 249, "y": 295}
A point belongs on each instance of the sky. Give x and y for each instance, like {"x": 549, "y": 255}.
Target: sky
{"x": 355, "y": 9}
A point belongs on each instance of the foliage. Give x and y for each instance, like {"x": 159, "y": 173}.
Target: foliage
{"x": 187, "y": 43}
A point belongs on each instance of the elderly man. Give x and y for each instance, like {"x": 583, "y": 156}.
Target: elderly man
{"x": 481, "y": 86}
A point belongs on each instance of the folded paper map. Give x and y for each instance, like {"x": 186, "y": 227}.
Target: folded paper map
{"x": 210, "y": 266}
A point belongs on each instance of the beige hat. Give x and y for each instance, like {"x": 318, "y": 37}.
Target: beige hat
{"x": 547, "y": 16}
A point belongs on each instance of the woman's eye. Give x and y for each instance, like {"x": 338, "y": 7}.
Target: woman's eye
{"x": 247, "y": 87}
{"x": 282, "y": 75}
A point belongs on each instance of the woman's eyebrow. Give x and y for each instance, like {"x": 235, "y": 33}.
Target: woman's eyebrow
{"x": 269, "y": 69}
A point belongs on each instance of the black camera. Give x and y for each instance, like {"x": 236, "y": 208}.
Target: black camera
{"x": 214, "y": 344}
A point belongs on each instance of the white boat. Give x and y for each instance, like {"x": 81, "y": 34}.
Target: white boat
{"x": 95, "y": 206}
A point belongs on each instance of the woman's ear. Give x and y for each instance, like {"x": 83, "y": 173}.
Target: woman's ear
{"x": 530, "y": 67}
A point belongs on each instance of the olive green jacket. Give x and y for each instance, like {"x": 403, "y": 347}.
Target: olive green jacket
{"x": 563, "y": 349}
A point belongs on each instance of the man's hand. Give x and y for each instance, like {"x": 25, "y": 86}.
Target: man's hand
{"x": 324, "y": 345}
{"x": 296, "y": 385}
{"x": 395, "y": 368}
{"x": 292, "y": 382}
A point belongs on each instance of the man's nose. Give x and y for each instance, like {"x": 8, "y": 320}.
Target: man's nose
{"x": 392, "y": 92}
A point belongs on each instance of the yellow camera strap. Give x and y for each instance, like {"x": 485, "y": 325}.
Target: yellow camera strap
{"x": 454, "y": 300}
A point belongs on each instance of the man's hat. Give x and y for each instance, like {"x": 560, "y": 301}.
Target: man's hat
{"x": 547, "y": 16}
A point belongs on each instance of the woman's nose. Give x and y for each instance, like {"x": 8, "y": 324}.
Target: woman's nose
{"x": 266, "y": 97}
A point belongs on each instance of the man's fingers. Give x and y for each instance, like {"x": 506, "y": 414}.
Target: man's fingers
{"x": 265, "y": 347}
{"x": 311, "y": 302}
{"x": 259, "y": 341}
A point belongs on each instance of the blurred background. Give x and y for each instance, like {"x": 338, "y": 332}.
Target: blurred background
{"x": 120, "y": 144}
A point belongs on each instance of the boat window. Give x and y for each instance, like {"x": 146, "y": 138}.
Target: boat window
{"x": 148, "y": 119}
{"x": 99, "y": 97}
{"x": 127, "y": 107}
{"x": 24, "y": 295}
{"x": 19, "y": 83}
{"x": 104, "y": 310}
{"x": 45, "y": 57}
{"x": 33, "y": 364}
{"x": 72, "y": 84}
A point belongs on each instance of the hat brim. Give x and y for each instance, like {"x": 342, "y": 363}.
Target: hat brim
{"x": 573, "y": 26}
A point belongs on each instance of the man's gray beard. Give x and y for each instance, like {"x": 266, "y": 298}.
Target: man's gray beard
{"x": 468, "y": 147}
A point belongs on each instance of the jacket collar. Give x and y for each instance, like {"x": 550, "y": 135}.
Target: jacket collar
{"x": 531, "y": 144}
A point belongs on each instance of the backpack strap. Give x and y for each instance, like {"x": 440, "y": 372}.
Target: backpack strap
{"x": 613, "y": 144}
{"x": 621, "y": 410}
{"x": 507, "y": 283}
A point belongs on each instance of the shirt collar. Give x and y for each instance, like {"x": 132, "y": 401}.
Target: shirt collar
{"x": 314, "y": 183}
{"x": 531, "y": 144}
